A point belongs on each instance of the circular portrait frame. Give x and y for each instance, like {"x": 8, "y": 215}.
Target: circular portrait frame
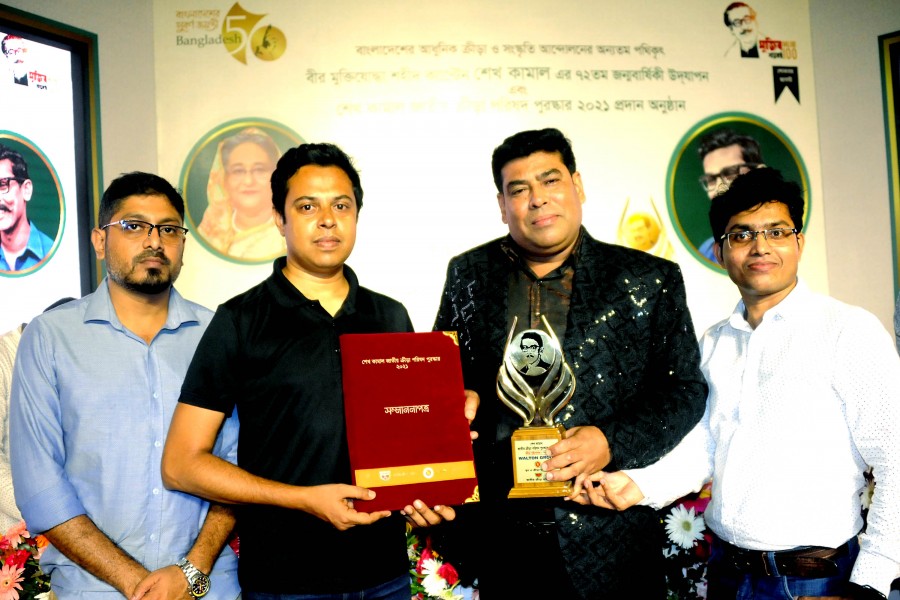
{"x": 203, "y": 188}
{"x": 47, "y": 214}
{"x": 686, "y": 202}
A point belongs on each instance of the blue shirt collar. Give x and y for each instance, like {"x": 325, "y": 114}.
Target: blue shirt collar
{"x": 100, "y": 308}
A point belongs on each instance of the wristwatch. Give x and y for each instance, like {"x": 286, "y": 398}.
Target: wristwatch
{"x": 197, "y": 579}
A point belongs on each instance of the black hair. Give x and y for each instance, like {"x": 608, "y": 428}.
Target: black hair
{"x": 750, "y": 191}
{"x": 8, "y": 37}
{"x": 531, "y": 335}
{"x": 526, "y": 143}
{"x": 322, "y": 155}
{"x": 19, "y": 168}
{"x": 136, "y": 184}
{"x": 733, "y": 6}
{"x": 722, "y": 138}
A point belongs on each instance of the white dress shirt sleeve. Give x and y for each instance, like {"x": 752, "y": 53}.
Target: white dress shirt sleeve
{"x": 869, "y": 386}
{"x": 683, "y": 470}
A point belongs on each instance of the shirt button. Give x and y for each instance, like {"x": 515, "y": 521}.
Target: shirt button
{"x": 157, "y": 443}
{"x": 155, "y": 394}
{"x": 156, "y": 491}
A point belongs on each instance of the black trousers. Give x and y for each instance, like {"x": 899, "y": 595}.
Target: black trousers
{"x": 524, "y": 563}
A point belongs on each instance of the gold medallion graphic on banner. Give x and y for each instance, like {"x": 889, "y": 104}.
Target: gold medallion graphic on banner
{"x": 239, "y": 30}
{"x": 641, "y": 227}
{"x": 535, "y": 382}
{"x": 268, "y": 43}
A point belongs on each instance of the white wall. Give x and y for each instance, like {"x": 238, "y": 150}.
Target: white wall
{"x": 848, "y": 88}
{"x": 854, "y": 160}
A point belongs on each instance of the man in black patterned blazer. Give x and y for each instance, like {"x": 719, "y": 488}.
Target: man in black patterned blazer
{"x": 625, "y": 330}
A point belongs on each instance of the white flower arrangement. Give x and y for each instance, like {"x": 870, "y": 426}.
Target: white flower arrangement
{"x": 684, "y": 527}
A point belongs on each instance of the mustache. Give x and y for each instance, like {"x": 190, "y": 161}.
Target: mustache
{"x": 150, "y": 253}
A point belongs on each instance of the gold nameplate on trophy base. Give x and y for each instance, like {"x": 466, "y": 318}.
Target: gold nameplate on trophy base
{"x": 529, "y": 451}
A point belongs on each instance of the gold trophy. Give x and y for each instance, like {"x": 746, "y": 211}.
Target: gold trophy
{"x": 535, "y": 383}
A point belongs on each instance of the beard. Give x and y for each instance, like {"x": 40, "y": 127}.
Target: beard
{"x": 155, "y": 281}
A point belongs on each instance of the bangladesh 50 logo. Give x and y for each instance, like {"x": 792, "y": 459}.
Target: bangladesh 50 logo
{"x": 241, "y": 31}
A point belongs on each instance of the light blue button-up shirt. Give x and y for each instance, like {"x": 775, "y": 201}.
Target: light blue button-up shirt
{"x": 91, "y": 404}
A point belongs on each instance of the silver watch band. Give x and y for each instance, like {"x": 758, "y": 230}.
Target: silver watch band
{"x": 188, "y": 568}
{"x": 198, "y": 581}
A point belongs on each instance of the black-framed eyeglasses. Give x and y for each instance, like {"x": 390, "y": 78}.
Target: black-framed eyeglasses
{"x": 710, "y": 181}
{"x": 135, "y": 229}
{"x": 780, "y": 236}
{"x": 4, "y": 183}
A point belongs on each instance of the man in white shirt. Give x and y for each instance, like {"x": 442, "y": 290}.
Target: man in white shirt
{"x": 804, "y": 397}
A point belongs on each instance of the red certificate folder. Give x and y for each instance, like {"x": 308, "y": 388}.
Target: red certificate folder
{"x": 407, "y": 434}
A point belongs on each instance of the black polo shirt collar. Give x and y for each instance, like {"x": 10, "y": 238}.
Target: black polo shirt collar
{"x": 287, "y": 295}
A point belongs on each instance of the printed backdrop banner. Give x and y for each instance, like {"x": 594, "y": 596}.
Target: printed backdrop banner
{"x": 420, "y": 93}
{"x": 36, "y": 112}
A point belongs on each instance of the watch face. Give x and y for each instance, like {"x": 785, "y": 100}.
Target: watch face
{"x": 200, "y": 585}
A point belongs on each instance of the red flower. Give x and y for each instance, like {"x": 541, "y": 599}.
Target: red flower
{"x": 426, "y": 554}
{"x": 701, "y": 549}
{"x": 449, "y": 574}
{"x": 17, "y": 558}
{"x": 698, "y": 504}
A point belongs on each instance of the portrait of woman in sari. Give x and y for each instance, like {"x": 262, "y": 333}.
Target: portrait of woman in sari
{"x": 238, "y": 220}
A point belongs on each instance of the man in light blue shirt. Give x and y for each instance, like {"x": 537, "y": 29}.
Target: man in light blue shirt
{"x": 94, "y": 387}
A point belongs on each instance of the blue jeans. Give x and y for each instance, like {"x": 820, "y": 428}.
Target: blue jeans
{"x": 726, "y": 582}
{"x": 395, "y": 589}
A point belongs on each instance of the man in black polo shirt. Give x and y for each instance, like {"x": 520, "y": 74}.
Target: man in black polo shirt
{"x": 273, "y": 353}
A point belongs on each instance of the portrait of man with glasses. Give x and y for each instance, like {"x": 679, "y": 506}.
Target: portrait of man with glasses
{"x": 740, "y": 19}
{"x": 15, "y": 50}
{"x": 22, "y": 244}
{"x": 532, "y": 350}
{"x": 725, "y": 154}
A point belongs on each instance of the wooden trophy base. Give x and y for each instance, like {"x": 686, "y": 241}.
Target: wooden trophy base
{"x": 529, "y": 451}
